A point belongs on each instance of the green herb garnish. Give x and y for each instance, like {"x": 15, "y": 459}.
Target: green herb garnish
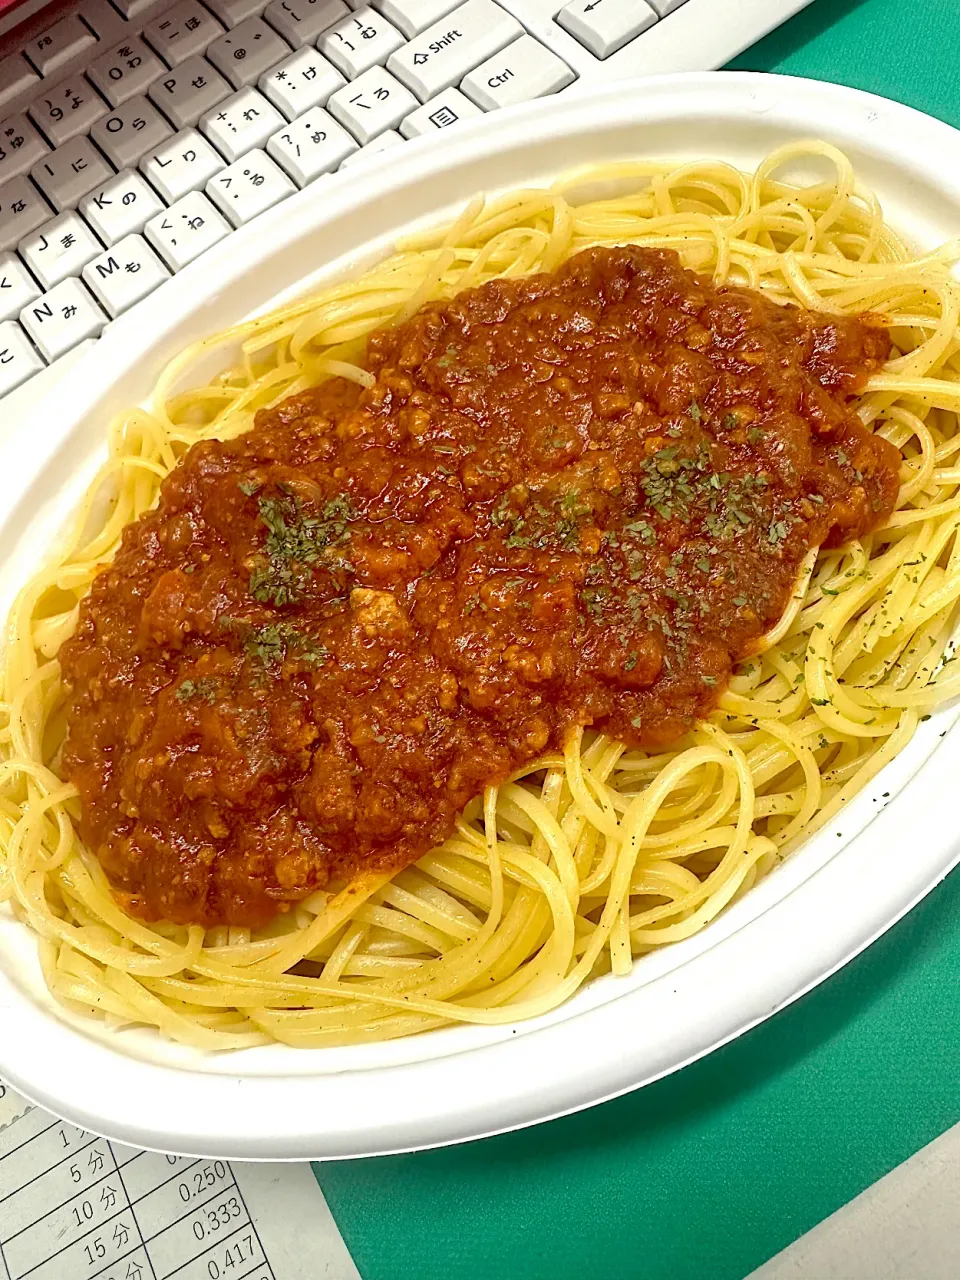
{"x": 277, "y": 641}
{"x": 294, "y": 541}
{"x": 205, "y": 689}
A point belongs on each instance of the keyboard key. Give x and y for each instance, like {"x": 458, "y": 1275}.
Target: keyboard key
{"x": 16, "y": 76}
{"x": 232, "y": 12}
{"x": 120, "y": 207}
{"x": 374, "y": 103}
{"x": 69, "y": 108}
{"x": 182, "y": 31}
{"x": 59, "y": 249}
{"x": 129, "y": 132}
{"x": 17, "y": 286}
{"x": 21, "y": 146}
{"x": 524, "y": 70}
{"x": 241, "y": 123}
{"x": 245, "y": 53}
{"x": 414, "y": 16}
{"x": 59, "y": 44}
{"x": 19, "y": 359}
{"x": 187, "y": 92}
{"x": 443, "y": 54}
{"x": 62, "y": 318}
{"x": 301, "y": 22}
{"x": 185, "y": 230}
{"x": 249, "y": 186}
{"x": 67, "y": 174}
{"x": 106, "y": 23}
{"x": 22, "y": 210}
{"x": 663, "y": 7}
{"x": 126, "y": 71}
{"x": 124, "y": 274}
{"x": 439, "y": 113}
{"x": 360, "y": 42}
{"x": 186, "y": 163}
{"x": 312, "y": 145}
{"x": 382, "y": 143}
{"x": 305, "y": 79}
{"x": 134, "y": 8}
{"x": 604, "y": 26}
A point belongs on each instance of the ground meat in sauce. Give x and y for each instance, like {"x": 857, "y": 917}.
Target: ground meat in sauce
{"x": 574, "y": 499}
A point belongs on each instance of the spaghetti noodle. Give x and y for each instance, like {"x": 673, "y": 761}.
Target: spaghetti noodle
{"x": 589, "y": 858}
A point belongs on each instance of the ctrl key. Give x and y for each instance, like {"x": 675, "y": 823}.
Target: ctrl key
{"x": 19, "y": 359}
{"x": 63, "y": 317}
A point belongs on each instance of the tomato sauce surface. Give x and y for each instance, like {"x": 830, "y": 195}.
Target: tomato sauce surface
{"x": 573, "y": 499}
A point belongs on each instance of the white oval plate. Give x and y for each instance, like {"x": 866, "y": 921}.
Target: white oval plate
{"x": 833, "y": 898}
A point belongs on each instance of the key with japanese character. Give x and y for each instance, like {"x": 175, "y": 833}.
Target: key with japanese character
{"x": 302, "y": 22}
{"x": 22, "y": 210}
{"x": 125, "y": 71}
{"x": 17, "y": 286}
{"x": 124, "y": 274}
{"x": 248, "y": 187}
{"x": 69, "y": 108}
{"x": 19, "y": 359}
{"x": 312, "y": 145}
{"x": 59, "y": 249}
{"x": 185, "y": 93}
{"x": 374, "y": 103}
{"x": 120, "y": 207}
{"x": 61, "y": 318}
{"x": 246, "y": 52}
{"x": 185, "y": 230}
{"x": 67, "y": 174}
{"x": 127, "y": 134}
{"x": 359, "y": 42}
{"x": 21, "y": 146}
{"x": 241, "y": 123}
{"x": 185, "y": 163}
{"x": 185, "y": 29}
{"x": 304, "y": 80}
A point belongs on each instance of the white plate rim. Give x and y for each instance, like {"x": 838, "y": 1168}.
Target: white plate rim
{"x": 553, "y": 1069}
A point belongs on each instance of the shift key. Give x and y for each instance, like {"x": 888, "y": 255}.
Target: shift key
{"x": 443, "y": 54}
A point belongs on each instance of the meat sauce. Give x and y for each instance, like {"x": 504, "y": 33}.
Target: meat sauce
{"x": 573, "y": 499}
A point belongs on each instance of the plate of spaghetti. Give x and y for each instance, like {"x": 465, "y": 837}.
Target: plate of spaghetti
{"x": 495, "y": 648}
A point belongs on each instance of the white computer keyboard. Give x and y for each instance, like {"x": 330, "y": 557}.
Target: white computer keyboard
{"x": 136, "y": 134}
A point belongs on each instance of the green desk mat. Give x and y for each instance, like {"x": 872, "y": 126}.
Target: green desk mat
{"x": 708, "y": 1173}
